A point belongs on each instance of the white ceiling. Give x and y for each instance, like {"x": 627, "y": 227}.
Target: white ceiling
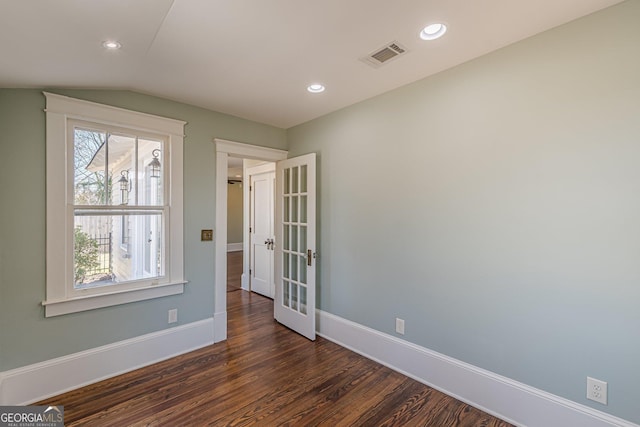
{"x": 255, "y": 58}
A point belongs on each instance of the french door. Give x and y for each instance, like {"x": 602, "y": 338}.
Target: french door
{"x": 295, "y": 244}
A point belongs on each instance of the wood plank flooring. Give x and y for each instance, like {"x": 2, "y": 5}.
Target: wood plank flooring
{"x": 265, "y": 375}
{"x": 234, "y": 271}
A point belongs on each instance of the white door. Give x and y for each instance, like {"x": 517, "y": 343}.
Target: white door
{"x": 295, "y": 245}
{"x": 261, "y": 223}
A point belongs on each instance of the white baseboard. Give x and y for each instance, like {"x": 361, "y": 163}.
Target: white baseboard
{"x": 244, "y": 280}
{"x": 220, "y": 326}
{"x": 505, "y": 398}
{"x": 234, "y": 247}
{"x": 510, "y": 400}
{"x": 32, "y": 383}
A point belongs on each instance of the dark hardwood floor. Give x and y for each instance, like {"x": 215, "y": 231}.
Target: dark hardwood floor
{"x": 265, "y": 374}
{"x": 234, "y": 271}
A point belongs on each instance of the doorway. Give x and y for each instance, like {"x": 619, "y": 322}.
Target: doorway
{"x": 224, "y": 150}
{"x": 251, "y": 194}
{"x": 235, "y": 226}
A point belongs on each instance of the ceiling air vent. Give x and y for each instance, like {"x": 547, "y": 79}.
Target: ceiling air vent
{"x": 384, "y": 54}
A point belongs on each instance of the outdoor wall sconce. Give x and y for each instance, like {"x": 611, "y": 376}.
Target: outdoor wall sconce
{"x": 125, "y": 187}
{"x": 155, "y": 164}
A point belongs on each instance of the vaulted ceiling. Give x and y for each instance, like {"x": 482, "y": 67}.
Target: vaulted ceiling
{"x": 255, "y": 58}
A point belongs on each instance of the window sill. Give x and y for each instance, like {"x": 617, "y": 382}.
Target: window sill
{"x": 90, "y": 302}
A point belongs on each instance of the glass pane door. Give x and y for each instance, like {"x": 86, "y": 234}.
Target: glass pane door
{"x": 294, "y": 231}
{"x": 295, "y": 254}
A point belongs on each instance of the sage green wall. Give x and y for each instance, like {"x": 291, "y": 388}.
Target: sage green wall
{"x": 496, "y": 208}
{"x": 31, "y": 337}
{"x": 234, "y": 213}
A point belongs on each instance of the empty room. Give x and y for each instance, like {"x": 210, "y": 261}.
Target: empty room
{"x": 348, "y": 212}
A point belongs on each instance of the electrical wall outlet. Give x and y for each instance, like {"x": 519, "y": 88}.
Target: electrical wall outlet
{"x": 597, "y": 390}
{"x": 400, "y": 326}
{"x": 173, "y": 315}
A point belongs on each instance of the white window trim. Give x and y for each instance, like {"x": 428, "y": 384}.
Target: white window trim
{"x": 60, "y": 211}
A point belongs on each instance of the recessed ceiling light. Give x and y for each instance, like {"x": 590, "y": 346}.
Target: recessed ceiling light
{"x": 315, "y": 88}
{"x": 433, "y": 31}
{"x": 111, "y": 45}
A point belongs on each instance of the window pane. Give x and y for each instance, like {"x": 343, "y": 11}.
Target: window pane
{"x": 117, "y": 169}
{"x": 303, "y": 240}
{"x": 286, "y": 208}
{"x": 293, "y": 267}
{"x": 287, "y": 184}
{"x": 294, "y": 296}
{"x": 294, "y": 180}
{"x": 285, "y": 237}
{"x": 303, "y": 209}
{"x": 285, "y": 265}
{"x": 294, "y": 238}
{"x": 303, "y": 299}
{"x": 120, "y": 157}
{"x": 303, "y": 269}
{"x": 89, "y": 186}
{"x": 150, "y": 173}
{"x": 117, "y": 247}
{"x": 303, "y": 178}
{"x": 294, "y": 209}
{"x": 285, "y": 293}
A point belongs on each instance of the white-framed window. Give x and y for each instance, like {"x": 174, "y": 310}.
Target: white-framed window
{"x": 114, "y": 206}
